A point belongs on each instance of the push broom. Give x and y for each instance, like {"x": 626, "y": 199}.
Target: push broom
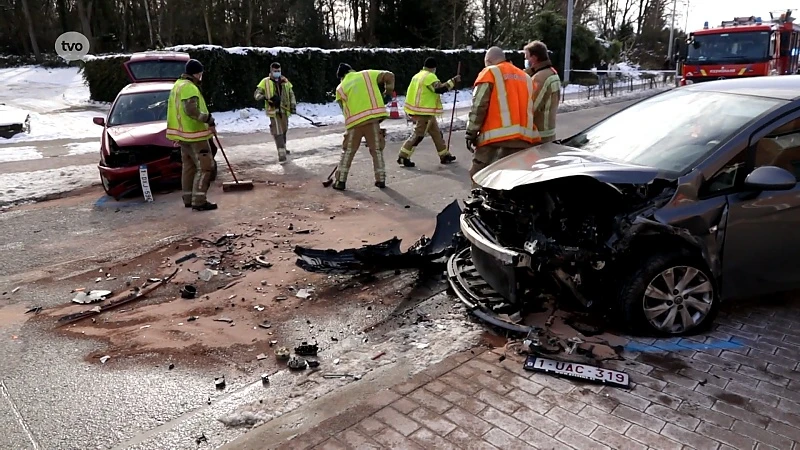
{"x": 234, "y": 185}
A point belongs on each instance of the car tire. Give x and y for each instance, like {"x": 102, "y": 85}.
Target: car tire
{"x": 647, "y": 308}
{"x": 107, "y": 186}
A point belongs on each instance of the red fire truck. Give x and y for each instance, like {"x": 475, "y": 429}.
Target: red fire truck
{"x": 742, "y": 47}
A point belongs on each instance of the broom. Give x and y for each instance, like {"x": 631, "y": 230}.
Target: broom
{"x": 234, "y": 185}
{"x": 453, "y": 114}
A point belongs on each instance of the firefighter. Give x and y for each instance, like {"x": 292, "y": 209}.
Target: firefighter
{"x": 546, "y": 89}
{"x": 364, "y": 108}
{"x": 424, "y": 105}
{"x": 191, "y": 125}
{"x": 280, "y": 103}
{"x": 500, "y": 120}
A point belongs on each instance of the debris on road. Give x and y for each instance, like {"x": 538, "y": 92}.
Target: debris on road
{"x": 224, "y": 319}
{"x": 14, "y": 291}
{"x": 296, "y": 364}
{"x": 188, "y": 291}
{"x": 577, "y": 370}
{"x": 104, "y": 359}
{"x": 185, "y": 258}
{"x": 35, "y": 310}
{"x": 207, "y": 274}
{"x": 304, "y": 293}
{"x": 265, "y": 379}
{"x": 306, "y": 349}
{"x": 219, "y": 382}
{"x": 378, "y": 355}
{"x": 282, "y": 353}
{"x": 85, "y": 298}
{"x": 386, "y": 255}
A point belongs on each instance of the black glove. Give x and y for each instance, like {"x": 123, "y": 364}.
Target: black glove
{"x": 210, "y": 121}
{"x": 387, "y": 98}
{"x": 274, "y": 101}
{"x": 471, "y": 143}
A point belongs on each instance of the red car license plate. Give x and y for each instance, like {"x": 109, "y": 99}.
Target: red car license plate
{"x": 577, "y": 370}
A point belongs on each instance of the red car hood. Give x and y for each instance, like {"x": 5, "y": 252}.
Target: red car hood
{"x": 153, "y": 133}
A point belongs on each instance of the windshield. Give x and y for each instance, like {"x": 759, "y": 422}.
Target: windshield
{"x": 671, "y": 132}
{"x": 727, "y": 48}
{"x": 140, "y": 107}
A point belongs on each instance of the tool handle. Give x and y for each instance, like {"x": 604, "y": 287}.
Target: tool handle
{"x": 216, "y": 138}
{"x": 453, "y": 114}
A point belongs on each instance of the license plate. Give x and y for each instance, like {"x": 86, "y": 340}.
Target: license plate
{"x": 577, "y": 370}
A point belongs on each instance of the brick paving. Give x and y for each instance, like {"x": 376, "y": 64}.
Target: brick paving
{"x": 712, "y": 398}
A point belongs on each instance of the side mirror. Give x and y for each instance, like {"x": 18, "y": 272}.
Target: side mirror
{"x": 99, "y": 121}
{"x": 770, "y": 178}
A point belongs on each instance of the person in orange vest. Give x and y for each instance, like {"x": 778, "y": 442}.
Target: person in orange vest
{"x": 501, "y": 118}
{"x": 364, "y": 108}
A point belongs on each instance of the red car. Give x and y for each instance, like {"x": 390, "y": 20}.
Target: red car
{"x": 134, "y": 133}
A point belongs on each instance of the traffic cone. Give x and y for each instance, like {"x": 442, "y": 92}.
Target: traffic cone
{"x": 394, "y": 113}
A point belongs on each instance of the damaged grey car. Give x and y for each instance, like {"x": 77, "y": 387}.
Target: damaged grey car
{"x": 656, "y": 213}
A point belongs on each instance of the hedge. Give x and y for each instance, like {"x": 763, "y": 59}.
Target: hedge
{"x": 231, "y": 75}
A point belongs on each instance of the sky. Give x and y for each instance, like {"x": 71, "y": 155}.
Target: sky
{"x": 715, "y": 11}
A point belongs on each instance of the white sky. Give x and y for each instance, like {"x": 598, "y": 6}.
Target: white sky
{"x": 715, "y": 11}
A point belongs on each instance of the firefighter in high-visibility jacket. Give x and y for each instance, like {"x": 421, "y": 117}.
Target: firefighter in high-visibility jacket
{"x": 423, "y": 105}
{"x": 280, "y": 103}
{"x": 190, "y": 124}
{"x": 501, "y": 119}
{"x": 364, "y": 108}
{"x": 546, "y": 89}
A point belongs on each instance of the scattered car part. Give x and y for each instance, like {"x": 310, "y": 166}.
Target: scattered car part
{"x": 185, "y": 258}
{"x": 312, "y": 363}
{"x": 282, "y": 353}
{"x": 378, "y": 355}
{"x": 224, "y": 319}
{"x": 306, "y": 349}
{"x": 387, "y": 255}
{"x": 123, "y": 299}
{"x": 35, "y": 310}
{"x": 297, "y": 364}
{"x": 265, "y": 379}
{"x": 14, "y": 291}
{"x": 577, "y": 370}
{"x": 192, "y": 319}
{"x": 207, "y": 274}
{"x": 219, "y": 382}
{"x": 188, "y": 291}
{"x": 104, "y": 359}
{"x": 266, "y": 325}
{"x": 261, "y": 261}
{"x": 341, "y": 375}
{"x": 261, "y": 356}
{"x": 304, "y": 293}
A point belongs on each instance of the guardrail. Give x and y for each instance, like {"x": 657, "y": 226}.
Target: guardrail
{"x": 608, "y": 83}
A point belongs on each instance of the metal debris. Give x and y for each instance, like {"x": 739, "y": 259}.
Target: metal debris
{"x": 306, "y": 349}
{"x": 188, "y": 291}
{"x": 219, "y": 382}
{"x": 185, "y": 258}
{"x": 85, "y": 298}
{"x": 224, "y": 319}
{"x": 297, "y": 364}
{"x": 34, "y": 310}
{"x": 265, "y": 379}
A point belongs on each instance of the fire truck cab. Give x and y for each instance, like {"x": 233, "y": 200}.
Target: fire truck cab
{"x": 742, "y": 47}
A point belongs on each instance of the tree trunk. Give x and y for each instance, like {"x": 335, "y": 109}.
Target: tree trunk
{"x": 31, "y": 31}
{"x": 149, "y": 23}
{"x": 208, "y": 24}
{"x": 249, "y": 26}
{"x": 85, "y": 14}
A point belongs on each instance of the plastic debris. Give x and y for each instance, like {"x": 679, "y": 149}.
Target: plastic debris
{"x": 85, "y": 298}
{"x": 297, "y": 364}
{"x": 282, "y": 353}
{"x": 104, "y": 359}
{"x": 219, "y": 382}
{"x": 304, "y": 293}
{"x": 207, "y": 274}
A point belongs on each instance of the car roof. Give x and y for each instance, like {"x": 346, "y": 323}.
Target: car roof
{"x": 785, "y": 87}
{"x": 147, "y": 86}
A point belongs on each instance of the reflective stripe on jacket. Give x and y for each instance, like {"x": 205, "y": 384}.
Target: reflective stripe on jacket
{"x": 360, "y": 97}
{"x": 181, "y": 127}
{"x": 267, "y": 85}
{"x": 546, "y": 96}
{"x": 510, "y": 114}
{"x": 421, "y": 100}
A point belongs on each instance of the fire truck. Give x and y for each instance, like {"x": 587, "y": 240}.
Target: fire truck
{"x": 742, "y": 47}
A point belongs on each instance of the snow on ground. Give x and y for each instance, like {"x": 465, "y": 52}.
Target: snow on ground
{"x": 21, "y": 186}
{"x": 19, "y": 154}
{"x": 83, "y": 148}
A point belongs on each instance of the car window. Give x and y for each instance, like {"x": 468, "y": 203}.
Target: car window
{"x": 672, "y": 132}
{"x": 140, "y": 107}
{"x": 730, "y": 175}
{"x": 781, "y": 148}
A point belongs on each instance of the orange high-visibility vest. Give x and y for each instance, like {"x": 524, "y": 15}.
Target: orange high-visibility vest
{"x": 510, "y": 114}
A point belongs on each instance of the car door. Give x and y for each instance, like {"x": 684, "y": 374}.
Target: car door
{"x": 762, "y": 241}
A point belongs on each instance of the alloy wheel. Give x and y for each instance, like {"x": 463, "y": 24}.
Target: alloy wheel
{"x": 678, "y": 299}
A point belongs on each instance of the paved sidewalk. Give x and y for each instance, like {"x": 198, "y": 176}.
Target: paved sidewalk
{"x": 734, "y": 389}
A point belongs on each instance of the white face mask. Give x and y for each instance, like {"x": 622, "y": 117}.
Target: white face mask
{"x": 527, "y": 63}
{"x": 276, "y": 75}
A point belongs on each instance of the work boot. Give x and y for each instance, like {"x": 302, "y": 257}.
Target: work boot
{"x": 339, "y": 185}
{"x": 282, "y": 155}
{"x": 380, "y": 184}
{"x": 405, "y": 162}
{"x": 207, "y": 206}
{"x": 447, "y": 159}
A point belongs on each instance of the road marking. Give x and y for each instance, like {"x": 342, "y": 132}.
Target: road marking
{"x": 18, "y": 415}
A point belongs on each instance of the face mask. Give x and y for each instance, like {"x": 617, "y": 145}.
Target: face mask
{"x": 527, "y": 63}
{"x": 276, "y": 75}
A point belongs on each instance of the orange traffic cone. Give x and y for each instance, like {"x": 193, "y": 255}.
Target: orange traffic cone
{"x": 394, "y": 113}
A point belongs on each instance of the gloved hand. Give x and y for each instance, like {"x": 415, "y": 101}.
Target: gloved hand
{"x": 260, "y": 97}
{"x": 456, "y": 79}
{"x": 471, "y": 143}
{"x": 211, "y": 123}
{"x": 387, "y": 98}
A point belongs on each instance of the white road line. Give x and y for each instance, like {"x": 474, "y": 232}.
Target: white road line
{"x": 18, "y": 415}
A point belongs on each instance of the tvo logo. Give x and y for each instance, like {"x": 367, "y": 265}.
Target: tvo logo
{"x": 72, "y": 46}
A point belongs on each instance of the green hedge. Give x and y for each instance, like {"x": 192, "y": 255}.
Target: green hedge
{"x": 231, "y": 75}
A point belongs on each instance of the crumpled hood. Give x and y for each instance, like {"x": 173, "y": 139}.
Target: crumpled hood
{"x": 552, "y": 161}
{"x": 153, "y": 133}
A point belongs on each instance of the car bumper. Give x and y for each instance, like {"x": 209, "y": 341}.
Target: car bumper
{"x": 482, "y": 239}
{"x": 163, "y": 168}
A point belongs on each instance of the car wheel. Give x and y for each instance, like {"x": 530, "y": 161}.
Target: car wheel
{"x": 670, "y": 294}
{"x": 107, "y": 186}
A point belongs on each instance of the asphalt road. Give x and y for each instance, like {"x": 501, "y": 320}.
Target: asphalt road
{"x": 51, "y": 399}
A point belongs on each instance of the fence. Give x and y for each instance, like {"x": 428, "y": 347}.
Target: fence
{"x": 604, "y": 83}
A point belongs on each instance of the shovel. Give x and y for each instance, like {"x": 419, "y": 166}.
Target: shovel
{"x": 316, "y": 124}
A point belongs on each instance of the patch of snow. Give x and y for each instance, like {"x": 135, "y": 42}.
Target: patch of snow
{"x": 19, "y": 154}
{"x": 15, "y": 187}
{"x": 12, "y": 116}
{"x": 83, "y": 148}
